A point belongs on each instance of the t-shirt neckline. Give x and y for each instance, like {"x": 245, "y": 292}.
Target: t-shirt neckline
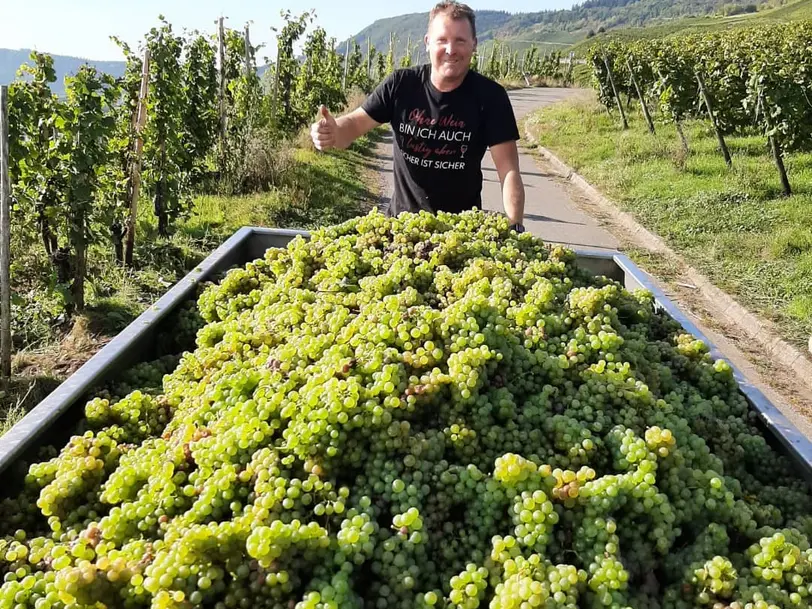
{"x": 434, "y": 90}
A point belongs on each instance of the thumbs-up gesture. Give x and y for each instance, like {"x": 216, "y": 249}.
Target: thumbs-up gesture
{"x": 324, "y": 131}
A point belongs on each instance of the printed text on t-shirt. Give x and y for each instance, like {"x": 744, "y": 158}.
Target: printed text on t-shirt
{"x": 421, "y": 132}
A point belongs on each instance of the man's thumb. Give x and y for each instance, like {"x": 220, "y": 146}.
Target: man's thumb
{"x": 325, "y": 112}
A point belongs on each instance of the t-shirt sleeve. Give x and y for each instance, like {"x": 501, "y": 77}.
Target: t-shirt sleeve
{"x": 500, "y": 124}
{"x": 380, "y": 104}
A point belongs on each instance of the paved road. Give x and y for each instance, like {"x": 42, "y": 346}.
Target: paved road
{"x": 549, "y": 213}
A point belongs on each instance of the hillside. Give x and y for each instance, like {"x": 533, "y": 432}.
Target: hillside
{"x": 789, "y": 12}
{"x": 561, "y": 28}
{"x": 12, "y": 59}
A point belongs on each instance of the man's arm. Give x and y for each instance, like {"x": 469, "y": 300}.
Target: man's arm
{"x": 352, "y": 126}
{"x": 330, "y": 132}
{"x": 506, "y": 158}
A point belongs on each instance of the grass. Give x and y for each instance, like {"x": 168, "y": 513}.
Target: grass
{"x": 314, "y": 189}
{"x": 733, "y": 225}
{"x": 512, "y": 84}
{"x": 322, "y": 189}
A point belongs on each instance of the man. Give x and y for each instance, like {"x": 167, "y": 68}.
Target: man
{"x": 444, "y": 116}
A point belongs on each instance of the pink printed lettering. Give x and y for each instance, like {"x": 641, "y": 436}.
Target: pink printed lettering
{"x": 419, "y": 116}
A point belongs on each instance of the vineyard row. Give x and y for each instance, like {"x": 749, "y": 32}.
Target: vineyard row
{"x": 178, "y": 122}
{"x": 744, "y": 80}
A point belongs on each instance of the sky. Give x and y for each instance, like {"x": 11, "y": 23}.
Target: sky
{"x": 83, "y": 28}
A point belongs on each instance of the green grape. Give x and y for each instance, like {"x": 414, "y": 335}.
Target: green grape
{"x": 422, "y": 411}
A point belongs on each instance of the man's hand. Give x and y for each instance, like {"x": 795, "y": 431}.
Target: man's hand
{"x": 329, "y": 132}
{"x": 325, "y": 131}
{"x": 506, "y": 158}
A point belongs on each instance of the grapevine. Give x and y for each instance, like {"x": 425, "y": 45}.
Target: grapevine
{"x": 319, "y": 80}
{"x": 35, "y": 179}
{"x": 88, "y": 124}
{"x": 118, "y": 189}
{"x": 60, "y": 160}
{"x": 180, "y": 155}
{"x": 200, "y": 109}
{"x": 757, "y": 78}
{"x": 165, "y": 166}
{"x": 287, "y": 68}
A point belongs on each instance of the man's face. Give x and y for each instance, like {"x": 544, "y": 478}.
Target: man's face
{"x": 450, "y": 44}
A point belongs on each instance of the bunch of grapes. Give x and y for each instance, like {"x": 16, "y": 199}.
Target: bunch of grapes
{"x": 422, "y": 411}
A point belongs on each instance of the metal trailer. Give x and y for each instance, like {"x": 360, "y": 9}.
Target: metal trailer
{"x": 53, "y": 419}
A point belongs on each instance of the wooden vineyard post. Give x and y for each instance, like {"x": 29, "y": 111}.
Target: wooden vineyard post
{"x": 5, "y": 240}
{"x": 247, "y": 53}
{"x": 276, "y": 83}
{"x": 615, "y": 93}
{"x": 369, "y": 56}
{"x": 706, "y": 99}
{"x": 140, "y": 121}
{"x": 642, "y": 99}
{"x": 221, "y": 41}
{"x": 346, "y": 66}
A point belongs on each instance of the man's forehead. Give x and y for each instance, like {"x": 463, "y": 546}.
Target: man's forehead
{"x": 445, "y": 23}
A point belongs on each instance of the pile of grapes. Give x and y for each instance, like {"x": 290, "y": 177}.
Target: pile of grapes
{"x": 428, "y": 411}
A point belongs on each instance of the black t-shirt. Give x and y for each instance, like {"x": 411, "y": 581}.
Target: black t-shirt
{"x": 440, "y": 138}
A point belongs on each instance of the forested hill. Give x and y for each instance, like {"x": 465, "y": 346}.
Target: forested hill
{"x": 559, "y": 27}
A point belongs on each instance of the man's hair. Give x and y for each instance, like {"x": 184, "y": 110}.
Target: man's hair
{"x": 455, "y": 10}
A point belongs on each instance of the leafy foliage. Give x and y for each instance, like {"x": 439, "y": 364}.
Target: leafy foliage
{"x": 62, "y": 165}
{"x": 72, "y": 156}
{"x": 758, "y": 79}
{"x": 320, "y": 77}
{"x": 200, "y": 109}
{"x": 166, "y": 160}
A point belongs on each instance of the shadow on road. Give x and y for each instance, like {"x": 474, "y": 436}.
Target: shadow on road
{"x": 548, "y": 219}
{"x": 537, "y": 174}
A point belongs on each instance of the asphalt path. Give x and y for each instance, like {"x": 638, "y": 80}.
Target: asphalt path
{"x": 549, "y": 212}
